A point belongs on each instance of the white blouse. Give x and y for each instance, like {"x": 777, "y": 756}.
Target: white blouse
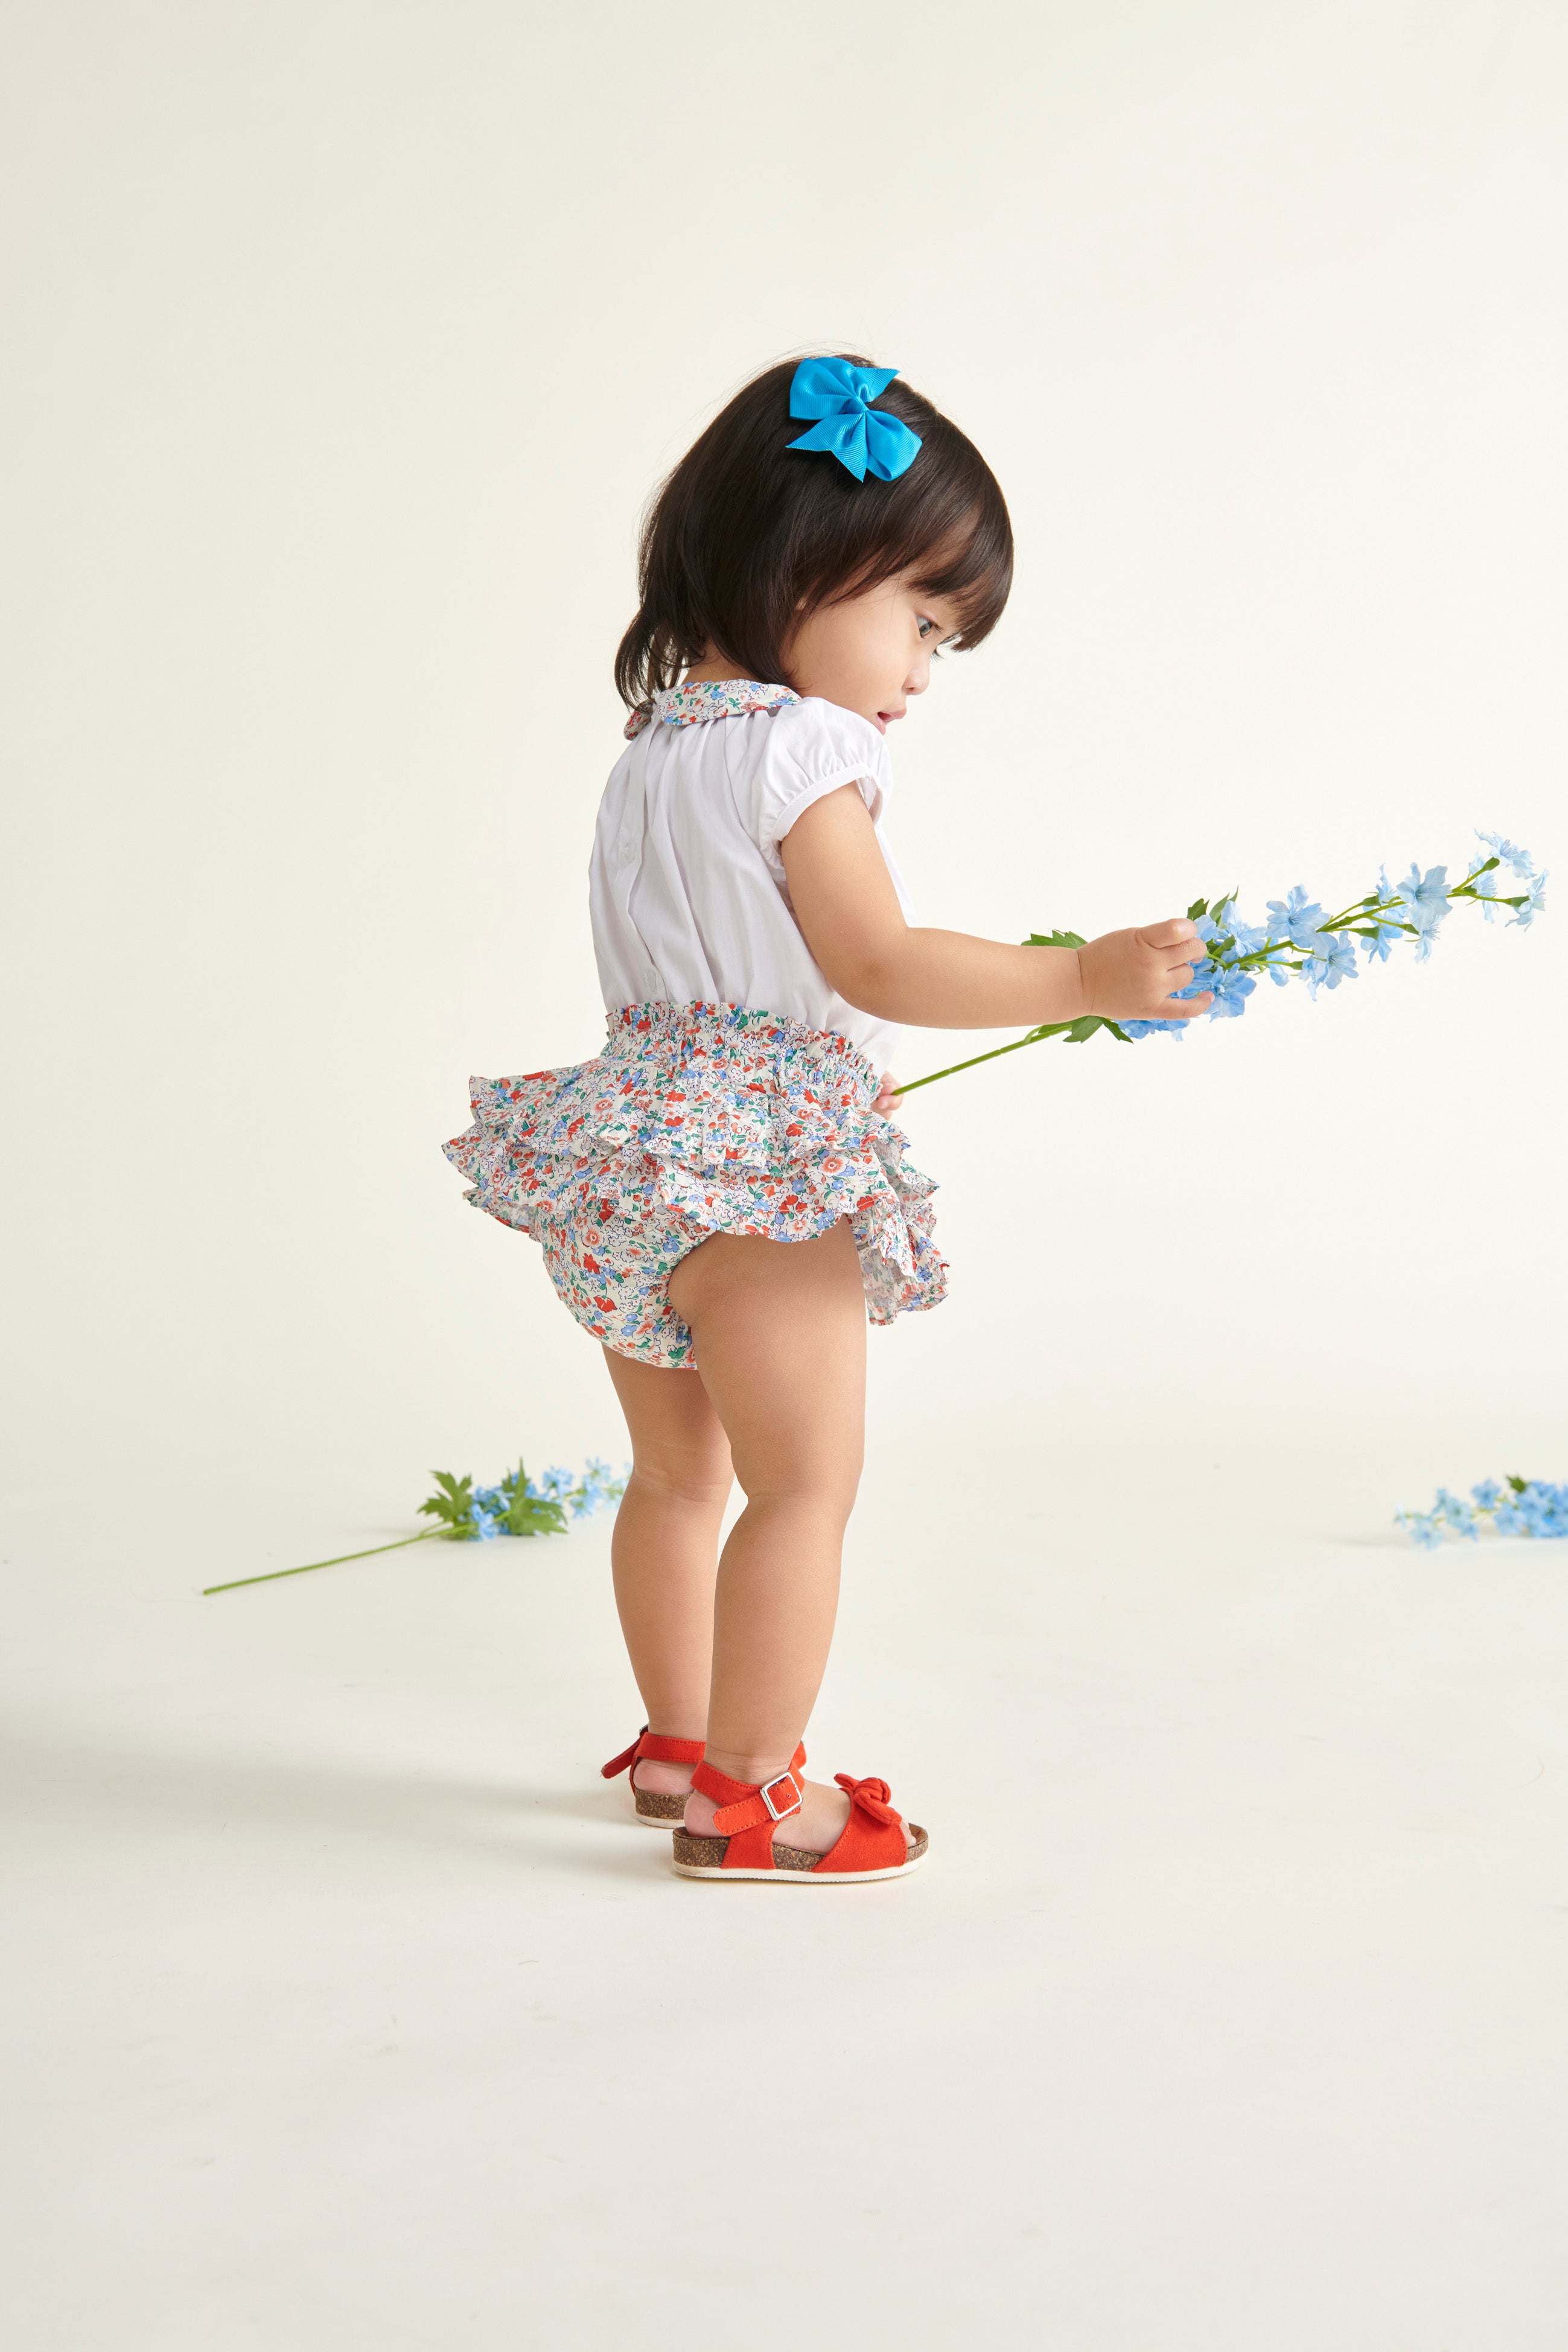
{"x": 686, "y": 887}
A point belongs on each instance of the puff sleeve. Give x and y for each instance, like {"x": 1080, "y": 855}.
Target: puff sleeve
{"x": 802, "y": 752}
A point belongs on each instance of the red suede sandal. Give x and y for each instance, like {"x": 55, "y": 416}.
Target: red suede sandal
{"x": 872, "y": 1844}
{"x": 653, "y": 1811}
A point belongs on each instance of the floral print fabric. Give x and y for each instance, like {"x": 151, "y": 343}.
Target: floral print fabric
{"x": 691, "y": 706}
{"x": 697, "y": 1119}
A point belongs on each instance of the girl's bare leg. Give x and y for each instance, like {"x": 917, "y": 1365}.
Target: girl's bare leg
{"x": 780, "y": 1330}
{"x": 665, "y": 1551}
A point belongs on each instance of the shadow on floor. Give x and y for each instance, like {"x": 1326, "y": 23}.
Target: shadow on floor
{"x": 49, "y": 1783}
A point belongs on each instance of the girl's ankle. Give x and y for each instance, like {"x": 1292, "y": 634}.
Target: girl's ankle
{"x": 752, "y": 1769}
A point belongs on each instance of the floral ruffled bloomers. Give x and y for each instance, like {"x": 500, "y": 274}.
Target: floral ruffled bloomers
{"x": 697, "y": 1119}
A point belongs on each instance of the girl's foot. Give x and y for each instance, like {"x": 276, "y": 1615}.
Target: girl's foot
{"x": 789, "y": 1828}
{"x": 821, "y": 1822}
{"x": 662, "y": 1780}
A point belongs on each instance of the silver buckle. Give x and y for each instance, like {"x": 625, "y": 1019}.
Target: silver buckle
{"x": 780, "y": 1813}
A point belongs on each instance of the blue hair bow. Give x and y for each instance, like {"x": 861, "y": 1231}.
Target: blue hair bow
{"x": 861, "y": 438}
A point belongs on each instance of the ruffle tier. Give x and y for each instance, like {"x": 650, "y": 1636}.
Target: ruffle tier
{"x": 696, "y": 1120}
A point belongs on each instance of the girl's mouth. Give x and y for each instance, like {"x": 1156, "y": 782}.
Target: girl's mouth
{"x": 882, "y": 719}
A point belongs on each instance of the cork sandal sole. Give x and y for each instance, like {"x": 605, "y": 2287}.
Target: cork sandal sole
{"x": 657, "y": 1813}
{"x": 703, "y": 1857}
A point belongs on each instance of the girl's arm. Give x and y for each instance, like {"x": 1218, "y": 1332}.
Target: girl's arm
{"x": 848, "y": 910}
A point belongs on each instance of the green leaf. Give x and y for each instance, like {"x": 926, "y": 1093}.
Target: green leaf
{"x": 1518, "y": 1485}
{"x": 526, "y": 1514}
{"x": 1119, "y": 1033}
{"x": 450, "y": 1504}
{"x": 1079, "y": 1031}
{"x": 1199, "y": 906}
{"x": 1054, "y": 939}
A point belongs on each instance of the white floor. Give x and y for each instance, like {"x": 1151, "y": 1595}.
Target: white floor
{"x": 349, "y": 2009}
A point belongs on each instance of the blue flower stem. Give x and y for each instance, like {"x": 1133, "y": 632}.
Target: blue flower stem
{"x": 1268, "y": 958}
{"x": 1033, "y": 1038}
{"x": 310, "y": 1566}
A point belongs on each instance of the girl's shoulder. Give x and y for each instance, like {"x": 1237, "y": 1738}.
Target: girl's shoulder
{"x": 819, "y": 735}
{"x": 801, "y": 751}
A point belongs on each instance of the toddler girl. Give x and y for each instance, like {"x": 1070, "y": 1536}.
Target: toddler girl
{"x": 721, "y": 1197}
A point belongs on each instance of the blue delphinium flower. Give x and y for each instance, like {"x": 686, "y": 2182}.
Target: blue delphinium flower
{"x": 1543, "y": 1509}
{"x": 1534, "y": 903}
{"x": 1334, "y": 961}
{"x": 592, "y": 1492}
{"x": 1425, "y": 898}
{"x": 1379, "y": 935}
{"x": 1136, "y": 1029}
{"x": 1252, "y": 937}
{"x": 1518, "y": 861}
{"x": 1524, "y": 1506}
{"x": 1297, "y": 919}
{"x": 1231, "y": 990}
{"x": 600, "y": 1487}
{"x": 1456, "y": 1513}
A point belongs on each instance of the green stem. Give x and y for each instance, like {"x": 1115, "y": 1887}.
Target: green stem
{"x": 310, "y": 1566}
{"x": 1033, "y": 1038}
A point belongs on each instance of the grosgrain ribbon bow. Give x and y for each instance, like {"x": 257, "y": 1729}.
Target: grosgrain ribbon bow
{"x": 863, "y": 438}
{"x": 871, "y": 1796}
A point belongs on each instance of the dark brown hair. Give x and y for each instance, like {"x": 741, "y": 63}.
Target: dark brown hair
{"x": 746, "y": 533}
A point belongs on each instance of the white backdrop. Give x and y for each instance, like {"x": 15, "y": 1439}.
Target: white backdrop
{"x": 346, "y": 341}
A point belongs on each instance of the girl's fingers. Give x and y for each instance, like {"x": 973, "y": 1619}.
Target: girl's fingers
{"x": 1176, "y": 933}
{"x": 1188, "y": 1010}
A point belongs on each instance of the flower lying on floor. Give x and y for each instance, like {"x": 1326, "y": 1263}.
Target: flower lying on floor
{"x": 516, "y": 1504}
{"x": 1298, "y": 940}
{"x": 1519, "y": 1507}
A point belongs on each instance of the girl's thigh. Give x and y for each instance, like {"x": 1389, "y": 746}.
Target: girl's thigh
{"x": 677, "y": 1439}
{"x": 780, "y": 1330}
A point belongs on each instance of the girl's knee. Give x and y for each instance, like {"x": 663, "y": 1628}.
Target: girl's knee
{"x": 828, "y": 1488}
{"x": 699, "y": 1476}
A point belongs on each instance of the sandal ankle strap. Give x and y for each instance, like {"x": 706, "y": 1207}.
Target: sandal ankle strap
{"x": 747, "y": 1804}
{"x": 655, "y": 1748}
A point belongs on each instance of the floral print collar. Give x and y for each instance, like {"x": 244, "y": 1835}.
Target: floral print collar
{"x": 691, "y": 706}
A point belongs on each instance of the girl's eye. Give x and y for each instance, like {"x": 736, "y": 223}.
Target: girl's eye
{"x": 927, "y": 628}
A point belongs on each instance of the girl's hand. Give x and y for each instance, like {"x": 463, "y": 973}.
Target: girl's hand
{"x": 1131, "y": 975}
{"x": 888, "y": 1097}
